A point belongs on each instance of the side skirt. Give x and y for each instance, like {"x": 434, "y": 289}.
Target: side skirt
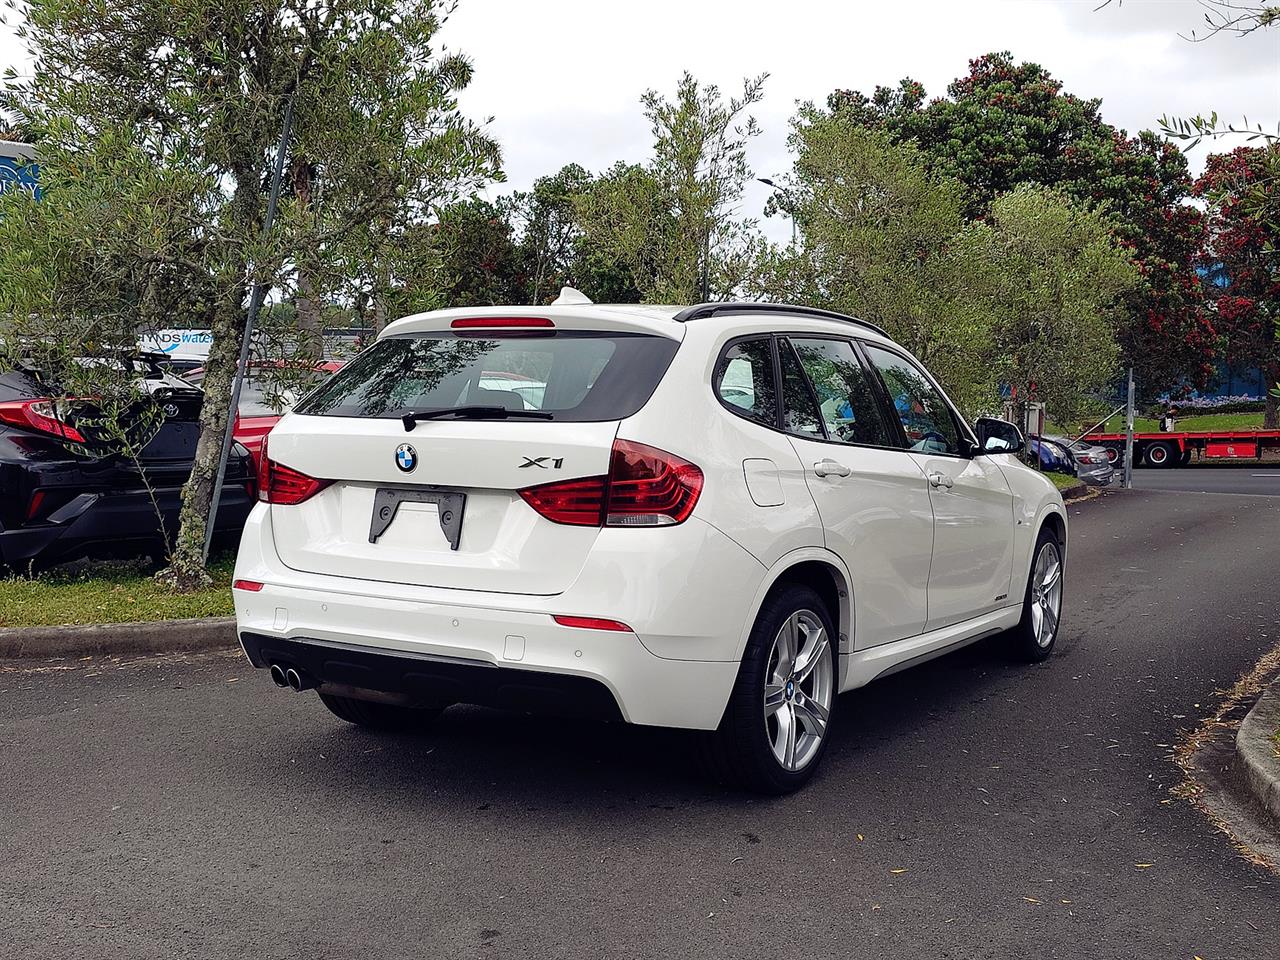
{"x": 863, "y": 666}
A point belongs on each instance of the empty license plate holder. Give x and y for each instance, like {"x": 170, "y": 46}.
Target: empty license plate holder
{"x": 449, "y": 504}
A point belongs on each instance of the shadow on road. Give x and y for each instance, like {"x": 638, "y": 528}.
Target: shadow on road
{"x": 545, "y": 759}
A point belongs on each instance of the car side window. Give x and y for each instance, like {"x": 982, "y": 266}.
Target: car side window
{"x": 925, "y": 416}
{"x": 846, "y": 398}
{"x": 800, "y": 414}
{"x": 744, "y": 380}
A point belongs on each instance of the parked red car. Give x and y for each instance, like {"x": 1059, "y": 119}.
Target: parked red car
{"x": 256, "y": 415}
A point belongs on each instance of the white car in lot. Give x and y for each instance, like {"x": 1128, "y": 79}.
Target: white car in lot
{"x": 717, "y": 518}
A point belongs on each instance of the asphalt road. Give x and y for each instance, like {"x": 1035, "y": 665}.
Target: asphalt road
{"x": 970, "y": 808}
{"x": 1250, "y": 479}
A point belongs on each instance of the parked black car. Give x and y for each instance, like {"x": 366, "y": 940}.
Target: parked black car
{"x": 62, "y": 498}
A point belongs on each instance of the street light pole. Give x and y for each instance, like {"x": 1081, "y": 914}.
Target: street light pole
{"x": 784, "y": 192}
{"x": 1128, "y": 436}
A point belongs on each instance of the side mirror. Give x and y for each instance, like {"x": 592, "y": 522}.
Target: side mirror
{"x": 998, "y": 436}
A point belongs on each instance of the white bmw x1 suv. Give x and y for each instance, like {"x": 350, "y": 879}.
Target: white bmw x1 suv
{"x": 716, "y": 517}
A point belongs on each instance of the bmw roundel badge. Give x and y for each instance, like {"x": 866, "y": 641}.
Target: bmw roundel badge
{"x": 406, "y": 457}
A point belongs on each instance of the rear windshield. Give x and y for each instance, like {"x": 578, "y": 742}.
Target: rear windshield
{"x": 575, "y": 376}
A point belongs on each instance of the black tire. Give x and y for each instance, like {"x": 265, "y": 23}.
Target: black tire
{"x": 1160, "y": 453}
{"x": 1115, "y": 454}
{"x": 380, "y": 716}
{"x": 1024, "y": 642}
{"x": 740, "y": 751}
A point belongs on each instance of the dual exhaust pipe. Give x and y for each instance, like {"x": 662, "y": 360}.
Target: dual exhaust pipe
{"x": 291, "y": 677}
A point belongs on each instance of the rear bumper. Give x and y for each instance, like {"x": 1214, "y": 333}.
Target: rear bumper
{"x": 423, "y": 680}
{"x": 448, "y": 652}
{"x": 687, "y": 606}
{"x": 111, "y": 523}
{"x": 1095, "y": 475}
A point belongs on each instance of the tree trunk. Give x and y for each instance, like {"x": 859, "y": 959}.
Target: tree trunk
{"x": 310, "y": 328}
{"x": 310, "y": 341}
{"x": 1271, "y": 414}
{"x": 186, "y": 570}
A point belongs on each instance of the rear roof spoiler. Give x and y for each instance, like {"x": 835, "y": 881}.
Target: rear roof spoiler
{"x": 702, "y": 311}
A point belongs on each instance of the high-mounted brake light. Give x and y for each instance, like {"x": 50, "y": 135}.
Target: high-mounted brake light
{"x": 592, "y": 623}
{"x": 40, "y": 414}
{"x": 481, "y": 323}
{"x": 645, "y": 487}
{"x": 284, "y": 485}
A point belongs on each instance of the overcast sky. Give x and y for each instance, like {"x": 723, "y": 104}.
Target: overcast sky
{"x": 562, "y": 78}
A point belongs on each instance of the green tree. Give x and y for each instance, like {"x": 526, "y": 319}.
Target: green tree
{"x": 157, "y": 122}
{"x": 1051, "y": 277}
{"x": 556, "y": 252}
{"x": 480, "y": 262}
{"x": 878, "y": 231}
{"x": 1006, "y": 124}
{"x": 673, "y": 223}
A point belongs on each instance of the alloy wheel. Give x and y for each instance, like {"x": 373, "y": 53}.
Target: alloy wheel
{"x": 1046, "y": 594}
{"x": 799, "y": 689}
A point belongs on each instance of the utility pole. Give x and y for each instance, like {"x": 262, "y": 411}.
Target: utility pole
{"x": 1128, "y": 436}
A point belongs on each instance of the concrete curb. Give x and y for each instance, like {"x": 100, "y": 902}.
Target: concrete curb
{"x": 1257, "y": 753}
{"x": 1075, "y": 492}
{"x": 161, "y": 636}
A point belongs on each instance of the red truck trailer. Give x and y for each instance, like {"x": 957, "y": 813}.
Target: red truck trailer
{"x": 1177, "y": 448}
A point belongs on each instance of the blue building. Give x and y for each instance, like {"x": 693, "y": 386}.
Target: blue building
{"x": 18, "y": 170}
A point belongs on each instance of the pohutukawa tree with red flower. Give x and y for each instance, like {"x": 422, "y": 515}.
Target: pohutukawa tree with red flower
{"x": 1244, "y": 237}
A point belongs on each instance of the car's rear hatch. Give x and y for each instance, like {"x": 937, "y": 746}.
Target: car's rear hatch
{"x": 436, "y": 502}
{"x": 110, "y": 439}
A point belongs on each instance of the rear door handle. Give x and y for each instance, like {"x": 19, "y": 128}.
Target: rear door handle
{"x": 940, "y": 480}
{"x": 829, "y": 468}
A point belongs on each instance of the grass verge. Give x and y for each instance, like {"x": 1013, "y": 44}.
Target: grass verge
{"x": 1062, "y": 480}
{"x": 109, "y": 593}
{"x": 1203, "y": 422}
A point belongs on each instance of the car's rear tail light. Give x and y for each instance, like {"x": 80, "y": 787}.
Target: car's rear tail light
{"x": 253, "y": 586}
{"x": 579, "y": 503}
{"x": 40, "y": 414}
{"x": 488, "y": 323}
{"x": 284, "y": 485}
{"x": 646, "y": 487}
{"x": 649, "y": 487}
{"x": 593, "y": 623}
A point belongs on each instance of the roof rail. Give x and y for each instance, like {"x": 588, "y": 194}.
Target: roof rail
{"x": 701, "y": 311}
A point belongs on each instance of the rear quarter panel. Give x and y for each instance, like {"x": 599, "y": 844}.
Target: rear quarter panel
{"x": 684, "y": 417}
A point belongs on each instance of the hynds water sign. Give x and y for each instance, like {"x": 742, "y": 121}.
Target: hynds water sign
{"x": 180, "y": 344}
{"x": 18, "y": 170}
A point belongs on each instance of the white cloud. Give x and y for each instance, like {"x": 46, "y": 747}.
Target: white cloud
{"x": 562, "y": 78}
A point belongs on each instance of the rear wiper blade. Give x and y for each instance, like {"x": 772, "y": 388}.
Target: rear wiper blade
{"x": 412, "y": 418}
